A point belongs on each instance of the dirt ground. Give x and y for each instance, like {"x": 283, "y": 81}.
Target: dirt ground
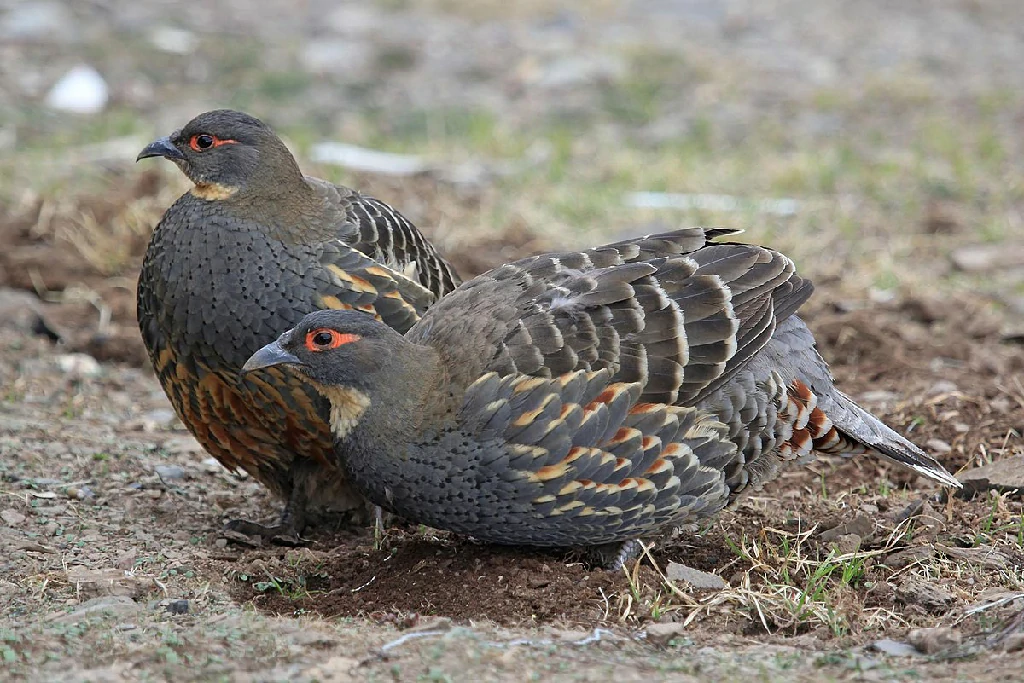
{"x": 898, "y": 138}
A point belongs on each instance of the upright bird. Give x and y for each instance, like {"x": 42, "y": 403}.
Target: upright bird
{"x": 586, "y": 399}
{"x": 243, "y": 255}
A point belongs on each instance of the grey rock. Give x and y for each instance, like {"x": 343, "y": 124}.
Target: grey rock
{"x": 663, "y": 633}
{"x": 695, "y": 577}
{"x": 169, "y": 472}
{"x": 915, "y": 591}
{"x": 895, "y": 648}
{"x": 1005, "y": 476}
{"x": 12, "y": 517}
{"x": 113, "y": 605}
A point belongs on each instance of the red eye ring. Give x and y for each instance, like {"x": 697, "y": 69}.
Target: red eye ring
{"x": 204, "y": 141}
{"x": 324, "y": 339}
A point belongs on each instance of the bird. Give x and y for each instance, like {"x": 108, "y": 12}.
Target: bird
{"x": 248, "y": 250}
{"x": 587, "y": 399}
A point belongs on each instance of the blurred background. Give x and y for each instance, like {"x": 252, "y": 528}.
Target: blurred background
{"x": 878, "y": 143}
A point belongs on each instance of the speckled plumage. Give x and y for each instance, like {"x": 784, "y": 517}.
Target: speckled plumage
{"x": 583, "y": 399}
{"x": 223, "y": 277}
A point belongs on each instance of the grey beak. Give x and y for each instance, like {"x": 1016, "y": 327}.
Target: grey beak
{"x": 161, "y": 148}
{"x": 270, "y": 355}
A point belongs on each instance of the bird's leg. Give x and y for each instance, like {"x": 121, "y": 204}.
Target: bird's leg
{"x": 378, "y": 526}
{"x": 291, "y": 523}
{"x": 612, "y": 556}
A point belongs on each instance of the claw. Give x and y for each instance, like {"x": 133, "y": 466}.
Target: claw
{"x": 283, "y": 534}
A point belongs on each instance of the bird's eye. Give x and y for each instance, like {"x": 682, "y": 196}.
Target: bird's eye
{"x": 201, "y": 142}
{"x": 324, "y": 339}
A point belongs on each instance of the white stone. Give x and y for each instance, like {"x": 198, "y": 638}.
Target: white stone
{"x": 81, "y": 90}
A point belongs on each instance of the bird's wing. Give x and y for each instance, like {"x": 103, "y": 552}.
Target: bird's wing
{"x": 552, "y": 461}
{"x": 350, "y": 280}
{"x": 676, "y": 313}
{"x": 385, "y": 235}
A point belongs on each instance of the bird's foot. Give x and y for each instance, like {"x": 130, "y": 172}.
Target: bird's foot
{"x": 254, "y": 534}
{"x": 611, "y": 556}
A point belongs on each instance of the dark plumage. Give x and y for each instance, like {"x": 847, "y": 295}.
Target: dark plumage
{"x": 585, "y": 399}
{"x": 242, "y": 256}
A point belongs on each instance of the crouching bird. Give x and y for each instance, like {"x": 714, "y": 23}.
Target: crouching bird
{"x": 252, "y": 247}
{"x": 585, "y": 399}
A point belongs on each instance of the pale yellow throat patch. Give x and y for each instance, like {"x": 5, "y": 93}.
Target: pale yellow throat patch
{"x": 347, "y": 406}
{"x": 212, "y": 192}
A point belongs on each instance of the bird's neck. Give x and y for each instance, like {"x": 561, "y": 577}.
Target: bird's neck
{"x": 374, "y": 431}
{"x": 289, "y": 209}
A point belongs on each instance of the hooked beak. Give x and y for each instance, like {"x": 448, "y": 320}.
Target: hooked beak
{"x": 161, "y": 148}
{"x": 270, "y": 355}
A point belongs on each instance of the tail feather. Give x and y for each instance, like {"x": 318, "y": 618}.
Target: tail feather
{"x": 854, "y": 430}
{"x": 835, "y": 424}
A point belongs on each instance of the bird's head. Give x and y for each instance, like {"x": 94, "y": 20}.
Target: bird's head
{"x": 227, "y": 152}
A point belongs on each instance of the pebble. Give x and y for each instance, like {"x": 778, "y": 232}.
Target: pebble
{"x": 1005, "y": 476}
{"x": 924, "y": 593}
{"x": 1014, "y": 642}
{"x": 934, "y": 640}
{"x": 211, "y": 466}
{"x": 177, "y": 607}
{"x": 12, "y": 517}
{"x": 895, "y": 648}
{"x": 78, "y": 365}
{"x": 81, "y": 90}
{"x": 169, "y": 472}
{"x": 663, "y": 633}
{"x": 695, "y": 577}
{"x": 120, "y": 605}
{"x": 173, "y": 40}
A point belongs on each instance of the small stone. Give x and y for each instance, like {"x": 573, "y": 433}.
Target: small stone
{"x": 126, "y": 560}
{"x": 1005, "y": 476}
{"x": 905, "y": 558}
{"x": 80, "y": 492}
{"x": 934, "y": 640}
{"x": 1013, "y": 642}
{"x": 983, "y": 555}
{"x": 81, "y": 91}
{"x": 663, "y": 633}
{"x": 978, "y": 258}
{"x": 928, "y": 595}
{"x": 100, "y": 582}
{"x": 177, "y": 607}
{"x": 695, "y": 577}
{"x": 943, "y": 386}
{"x": 119, "y": 605}
{"x": 169, "y": 472}
{"x": 938, "y": 446}
{"x": 895, "y": 648}
{"x": 211, "y": 466}
{"x": 861, "y": 526}
{"x": 78, "y": 365}
{"x": 12, "y": 517}
{"x": 183, "y": 445}
{"x": 335, "y": 670}
{"x": 847, "y": 544}
{"x": 173, "y": 40}
{"x": 156, "y": 420}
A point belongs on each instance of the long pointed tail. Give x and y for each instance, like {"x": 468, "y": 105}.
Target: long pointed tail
{"x": 837, "y": 425}
{"x": 826, "y": 419}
